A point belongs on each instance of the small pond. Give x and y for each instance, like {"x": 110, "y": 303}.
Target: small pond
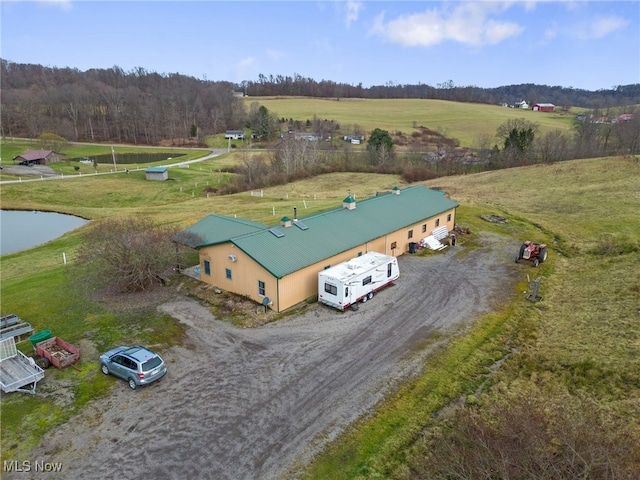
{"x": 21, "y": 230}
{"x": 134, "y": 158}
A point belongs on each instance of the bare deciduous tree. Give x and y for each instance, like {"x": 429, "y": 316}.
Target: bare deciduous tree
{"x": 131, "y": 254}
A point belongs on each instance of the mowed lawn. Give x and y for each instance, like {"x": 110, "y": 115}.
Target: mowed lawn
{"x": 466, "y": 122}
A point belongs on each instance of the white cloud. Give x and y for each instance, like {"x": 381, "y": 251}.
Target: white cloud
{"x": 275, "y": 54}
{"x": 243, "y": 66}
{"x": 550, "y": 33}
{"x": 64, "y": 4}
{"x": 352, "y": 11}
{"x": 469, "y": 23}
{"x": 603, "y": 26}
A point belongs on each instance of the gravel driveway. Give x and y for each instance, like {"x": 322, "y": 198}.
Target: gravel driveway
{"x": 258, "y": 403}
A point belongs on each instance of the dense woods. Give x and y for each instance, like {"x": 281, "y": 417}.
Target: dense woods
{"x": 138, "y": 107}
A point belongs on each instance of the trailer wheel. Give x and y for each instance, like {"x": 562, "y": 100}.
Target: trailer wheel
{"x": 364, "y": 299}
{"x": 104, "y": 369}
{"x": 43, "y": 362}
{"x": 132, "y": 384}
{"x": 370, "y": 295}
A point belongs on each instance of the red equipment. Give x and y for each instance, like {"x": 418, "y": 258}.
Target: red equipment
{"x": 532, "y": 252}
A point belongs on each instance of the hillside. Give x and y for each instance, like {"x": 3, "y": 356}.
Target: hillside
{"x": 469, "y": 123}
{"x": 147, "y": 108}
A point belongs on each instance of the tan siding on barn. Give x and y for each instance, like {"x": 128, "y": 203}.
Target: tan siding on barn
{"x": 301, "y": 285}
{"x": 245, "y": 273}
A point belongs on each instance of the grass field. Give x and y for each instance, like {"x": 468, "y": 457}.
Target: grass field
{"x": 583, "y": 338}
{"x": 463, "y": 121}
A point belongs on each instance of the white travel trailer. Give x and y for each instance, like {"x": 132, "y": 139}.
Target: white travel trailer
{"x": 348, "y": 283}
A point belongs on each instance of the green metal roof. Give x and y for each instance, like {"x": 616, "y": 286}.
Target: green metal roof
{"x": 333, "y": 231}
{"x": 156, "y": 169}
{"x": 214, "y": 229}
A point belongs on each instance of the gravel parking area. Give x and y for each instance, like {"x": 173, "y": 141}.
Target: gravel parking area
{"x": 259, "y": 403}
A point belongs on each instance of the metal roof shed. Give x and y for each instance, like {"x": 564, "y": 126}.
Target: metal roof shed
{"x": 157, "y": 173}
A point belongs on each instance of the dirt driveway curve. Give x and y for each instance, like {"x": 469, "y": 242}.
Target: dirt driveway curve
{"x": 258, "y": 403}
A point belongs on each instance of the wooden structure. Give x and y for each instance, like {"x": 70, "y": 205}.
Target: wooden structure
{"x": 38, "y": 157}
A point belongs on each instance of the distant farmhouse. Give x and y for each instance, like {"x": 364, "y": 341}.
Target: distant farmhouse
{"x": 277, "y": 266}
{"x": 38, "y": 157}
{"x": 543, "y": 107}
{"x": 234, "y": 134}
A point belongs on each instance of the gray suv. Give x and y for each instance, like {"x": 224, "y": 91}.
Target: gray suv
{"x": 137, "y": 365}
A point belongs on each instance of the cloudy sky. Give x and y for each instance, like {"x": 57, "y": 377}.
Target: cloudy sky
{"x": 581, "y": 44}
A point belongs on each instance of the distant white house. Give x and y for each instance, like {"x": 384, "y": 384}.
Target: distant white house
{"x": 157, "y": 173}
{"x": 234, "y": 134}
{"x": 522, "y": 104}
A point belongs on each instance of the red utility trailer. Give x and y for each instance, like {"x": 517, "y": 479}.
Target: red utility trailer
{"x": 58, "y": 352}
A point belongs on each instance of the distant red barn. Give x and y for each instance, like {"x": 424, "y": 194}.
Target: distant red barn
{"x": 543, "y": 107}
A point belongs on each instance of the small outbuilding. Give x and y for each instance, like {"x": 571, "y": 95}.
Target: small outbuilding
{"x": 234, "y": 134}
{"x": 543, "y": 107}
{"x": 157, "y": 173}
{"x": 38, "y": 157}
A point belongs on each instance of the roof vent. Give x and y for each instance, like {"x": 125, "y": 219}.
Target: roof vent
{"x": 349, "y": 203}
{"x": 233, "y": 258}
{"x": 285, "y": 222}
{"x": 396, "y": 190}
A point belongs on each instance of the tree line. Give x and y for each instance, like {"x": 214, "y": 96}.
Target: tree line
{"x": 101, "y": 105}
{"x": 297, "y": 85}
{"x": 143, "y": 107}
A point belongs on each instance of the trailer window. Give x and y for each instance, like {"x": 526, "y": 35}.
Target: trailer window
{"x": 332, "y": 289}
{"x": 389, "y": 269}
{"x": 366, "y": 281}
{"x": 346, "y": 292}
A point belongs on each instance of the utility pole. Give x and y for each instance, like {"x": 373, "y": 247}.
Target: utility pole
{"x": 113, "y": 154}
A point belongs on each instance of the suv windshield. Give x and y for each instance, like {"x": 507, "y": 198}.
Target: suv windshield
{"x": 151, "y": 364}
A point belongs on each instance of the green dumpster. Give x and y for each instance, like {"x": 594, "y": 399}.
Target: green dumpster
{"x": 40, "y": 337}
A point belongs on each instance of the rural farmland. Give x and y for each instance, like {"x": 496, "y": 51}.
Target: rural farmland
{"x": 374, "y": 383}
